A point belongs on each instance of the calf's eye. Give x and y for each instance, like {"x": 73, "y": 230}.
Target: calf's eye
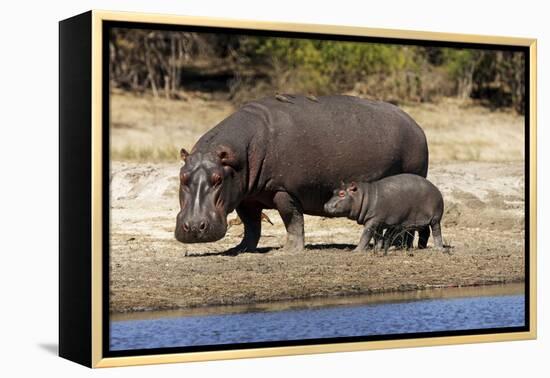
{"x": 341, "y": 193}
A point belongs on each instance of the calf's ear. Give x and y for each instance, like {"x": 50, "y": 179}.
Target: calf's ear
{"x": 183, "y": 154}
{"x": 352, "y": 187}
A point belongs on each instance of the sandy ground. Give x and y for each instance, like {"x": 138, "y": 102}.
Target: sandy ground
{"x": 150, "y": 270}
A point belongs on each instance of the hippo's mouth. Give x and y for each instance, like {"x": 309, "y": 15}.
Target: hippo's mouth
{"x": 195, "y": 236}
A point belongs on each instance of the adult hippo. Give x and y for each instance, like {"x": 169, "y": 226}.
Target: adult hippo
{"x": 289, "y": 153}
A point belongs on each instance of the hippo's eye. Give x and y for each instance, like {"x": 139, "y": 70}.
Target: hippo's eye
{"x": 342, "y": 193}
{"x": 216, "y": 179}
{"x": 184, "y": 178}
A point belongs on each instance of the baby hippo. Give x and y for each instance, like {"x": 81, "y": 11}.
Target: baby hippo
{"x": 400, "y": 203}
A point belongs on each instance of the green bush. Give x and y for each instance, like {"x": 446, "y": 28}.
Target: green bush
{"x": 166, "y": 63}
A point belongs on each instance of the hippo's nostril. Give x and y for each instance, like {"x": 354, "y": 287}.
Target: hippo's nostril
{"x": 202, "y": 226}
{"x": 185, "y": 226}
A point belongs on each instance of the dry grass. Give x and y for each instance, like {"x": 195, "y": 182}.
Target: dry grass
{"x": 145, "y": 128}
{"x": 467, "y": 132}
{"x": 149, "y": 129}
{"x": 146, "y": 153}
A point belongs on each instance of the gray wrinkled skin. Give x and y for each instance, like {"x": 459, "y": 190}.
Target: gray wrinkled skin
{"x": 289, "y": 156}
{"x": 397, "y": 203}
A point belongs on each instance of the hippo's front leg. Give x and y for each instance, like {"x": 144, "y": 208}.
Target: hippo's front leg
{"x": 291, "y": 212}
{"x": 251, "y": 216}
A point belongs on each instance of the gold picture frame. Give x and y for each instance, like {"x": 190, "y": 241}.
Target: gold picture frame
{"x": 90, "y": 329}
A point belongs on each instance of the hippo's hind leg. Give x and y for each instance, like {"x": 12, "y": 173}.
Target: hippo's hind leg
{"x": 423, "y": 236}
{"x": 403, "y": 239}
{"x": 251, "y": 216}
{"x": 292, "y": 214}
{"x": 408, "y": 238}
{"x": 436, "y": 231}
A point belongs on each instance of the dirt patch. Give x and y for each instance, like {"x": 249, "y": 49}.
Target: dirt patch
{"x": 150, "y": 270}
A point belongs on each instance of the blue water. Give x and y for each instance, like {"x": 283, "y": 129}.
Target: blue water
{"x": 415, "y": 316}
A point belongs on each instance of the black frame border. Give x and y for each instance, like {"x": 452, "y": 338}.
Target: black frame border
{"x": 75, "y": 189}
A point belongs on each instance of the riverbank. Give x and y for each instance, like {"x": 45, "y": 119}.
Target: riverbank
{"x": 329, "y": 302}
{"x": 433, "y": 310}
{"x": 151, "y": 271}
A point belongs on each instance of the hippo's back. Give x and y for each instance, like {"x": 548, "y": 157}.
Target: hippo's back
{"x": 315, "y": 145}
{"x": 308, "y": 146}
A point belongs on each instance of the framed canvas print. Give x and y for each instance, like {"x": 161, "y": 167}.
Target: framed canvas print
{"x": 235, "y": 189}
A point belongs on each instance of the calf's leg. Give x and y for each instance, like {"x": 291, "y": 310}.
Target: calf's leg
{"x": 408, "y": 239}
{"x": 436, "y": 231}
{"x": 368, "y": 232}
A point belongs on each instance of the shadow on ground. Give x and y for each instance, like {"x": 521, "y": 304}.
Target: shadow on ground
{"x": 330, "y": 246}
{"x": 51, "y": 348}
{"x": 263, "y": 250}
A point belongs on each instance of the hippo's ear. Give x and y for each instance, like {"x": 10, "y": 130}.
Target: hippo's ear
{"x": 183, "y": 154}
{"x": 227, "y": 157}
{"x": 352, "y": 187}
